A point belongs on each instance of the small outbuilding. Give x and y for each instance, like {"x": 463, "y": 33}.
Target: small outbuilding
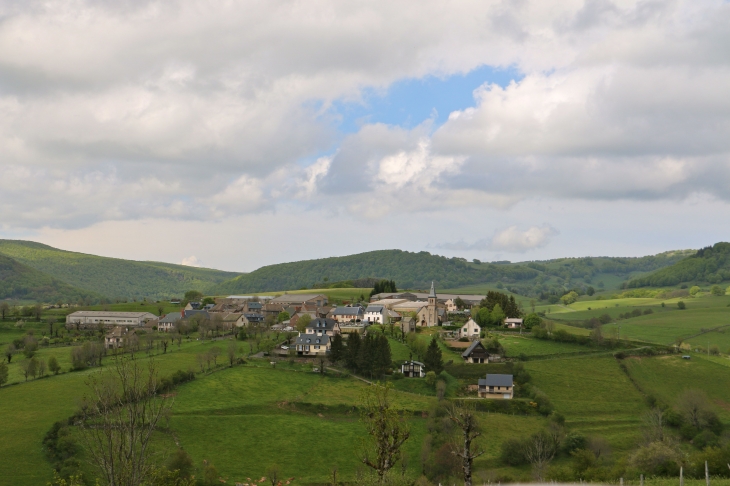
{"x": 496, "y": 387}
{"x": 513, "y": 323}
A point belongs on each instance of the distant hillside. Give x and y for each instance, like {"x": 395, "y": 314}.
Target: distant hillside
{"x": 711, "y": 265}
{"x": 18, "y": 281}
{"x": 409, "y": 270}
{"x": 112, "y": 277}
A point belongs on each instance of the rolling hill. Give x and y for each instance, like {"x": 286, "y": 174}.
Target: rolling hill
{"x": 109, "y": 277}
{"x": 18, "y": 281}
{"x": 409, "y": 270}
{"x": 708, "y": 265}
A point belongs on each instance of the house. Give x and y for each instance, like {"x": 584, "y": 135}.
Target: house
{"x": 168, "y": 322}
{"x": 348, "y": 314}
{"x": 408, "y": 324}
{"x": 499, "y": 387}
{"x": 477, "y": 353}
{"x": 193, "y": 306}
{"x": 272, "y": 310}
{"x": 376, "y": 313}
{"x": 407, "y": 307}
{"x": 513, "y": 323}
{"x": 318, "y": 300}
{"x": 323, "y": 326}
{"x": 413, "y": 369}
{"x": 250, "y": 318}
{"x": 470, "y": 330}
{"x": 85, "y": 319}
{"x": 312, "y": 344}
{"x": 233, "y": 320}
{"x": 191, "y": 313}
{"x": 253, "y": 308}
{"x": 117, "y": 337}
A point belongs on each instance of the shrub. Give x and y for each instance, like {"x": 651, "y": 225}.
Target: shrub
{"x": 681, "y": 305}
{"x": 574, "y": 441}
{"x": 512, "y": 452}
{"x": 704, "y": 439}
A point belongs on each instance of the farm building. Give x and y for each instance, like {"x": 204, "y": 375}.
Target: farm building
{"x": 513, "y": 322}
{"x": 108, "y": 318}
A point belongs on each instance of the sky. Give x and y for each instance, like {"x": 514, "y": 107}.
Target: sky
{"x": 234, "y": 135}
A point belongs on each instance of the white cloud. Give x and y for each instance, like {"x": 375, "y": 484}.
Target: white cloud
{"x": 191, "y": 261}
{"x": 513, "y": 240}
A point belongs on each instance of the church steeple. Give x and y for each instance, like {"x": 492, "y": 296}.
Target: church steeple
{"x": 432, "y": 295}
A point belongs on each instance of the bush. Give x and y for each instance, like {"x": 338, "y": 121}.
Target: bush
{"x": 574, "y": 441}
{"x": 704, "y": 439}
{"x": 681, "y": 305}
{"x": 512, "y": 452}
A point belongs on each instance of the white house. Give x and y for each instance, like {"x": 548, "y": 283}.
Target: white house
{"x": 376, "y": 314}
{"x": 470, "y": 330}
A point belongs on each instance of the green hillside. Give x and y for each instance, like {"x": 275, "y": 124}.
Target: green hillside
{"x": 708, "y": 265}
{"x": 111, "y": 277}
{"x": 409, "y": 270}
{"x": 18, "y": 281}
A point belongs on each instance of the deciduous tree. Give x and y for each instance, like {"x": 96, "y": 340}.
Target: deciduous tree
{"x": 465, "y": 418}
{"x": 387, "y": 428}
{"x": 120, "y": 415}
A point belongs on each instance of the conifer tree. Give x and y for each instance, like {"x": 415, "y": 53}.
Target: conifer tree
{"x": 433, "y": 358}
{"x": 337, "y": 353}
{"x": 352, "y": 351}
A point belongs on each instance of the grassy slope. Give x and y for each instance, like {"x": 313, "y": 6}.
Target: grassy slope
{"x": 112, "y": 277}
{"x": 666, "y": 377}
{"x": 594, "y": 395}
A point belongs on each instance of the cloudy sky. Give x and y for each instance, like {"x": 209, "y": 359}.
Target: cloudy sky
{"x": 233, "y": 134}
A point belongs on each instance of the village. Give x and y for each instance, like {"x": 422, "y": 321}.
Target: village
{"x": 307, "y": 326}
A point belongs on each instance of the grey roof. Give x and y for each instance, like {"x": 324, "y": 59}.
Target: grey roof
{"x": 497, "y": 380}
{"x": 413, "y": 362}
{"x": 313, "y": 339}
{"x": 297, "y": 298}
{"x": 347, "y": 311}
{"x": 471, "y": 348}
{"x": 109, "y": 314}
{"x": 322, "y": 324}
{"x": 172, "y": 317}
{"x": 432, "y": 294}
{"x": 254, "y": 305}
{"x": 252, "y": 316}
{"x": 190, "y": 313}
{"x": 375, "y": 308}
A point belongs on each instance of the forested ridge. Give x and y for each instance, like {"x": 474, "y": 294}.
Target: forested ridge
{"x": 710, "y": 264}
{"x": 112, "y": 278}
{"x": 18, "y": 281}
{"x": 409, "y": 270}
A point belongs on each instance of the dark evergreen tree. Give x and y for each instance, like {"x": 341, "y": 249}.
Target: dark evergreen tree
{"x": 337, "y": 352}
{"x": 382, "y": 358}
{"x": 365, "y": 356}
{"x": 352, "y": 351}
{"x": 433, "y": 359}
{"x": 507, "y": 303}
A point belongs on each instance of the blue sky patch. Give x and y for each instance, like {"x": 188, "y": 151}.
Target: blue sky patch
{"x": 409, "y": 102}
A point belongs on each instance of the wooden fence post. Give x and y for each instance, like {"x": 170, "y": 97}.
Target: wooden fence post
{"x": 681, "y": 476}
{"x": 707, "y": 474}
{"x": 642, "y": 480}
